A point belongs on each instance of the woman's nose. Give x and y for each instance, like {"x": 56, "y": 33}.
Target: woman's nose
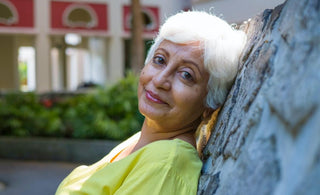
{"x": 162, "y": 80}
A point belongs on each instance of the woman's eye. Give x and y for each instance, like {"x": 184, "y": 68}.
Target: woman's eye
{"x": 158, "y": 60}
{"x": 187, "y": 76}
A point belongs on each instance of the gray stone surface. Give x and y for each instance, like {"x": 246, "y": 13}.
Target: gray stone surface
{"x": 31, "y": 177}
{"x": 267, "y": 137}
{"x": 55, "y": 149}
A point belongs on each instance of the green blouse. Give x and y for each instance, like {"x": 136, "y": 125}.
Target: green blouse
{"x": 161, "y": 167}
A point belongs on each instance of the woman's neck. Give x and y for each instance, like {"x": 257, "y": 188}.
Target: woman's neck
{"x": 150, "y": 133}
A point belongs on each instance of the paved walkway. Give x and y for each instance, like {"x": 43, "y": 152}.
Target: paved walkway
{"x": 32, "y": 177}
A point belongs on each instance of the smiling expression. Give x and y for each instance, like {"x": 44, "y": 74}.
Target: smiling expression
{"x": 173, "y": 86}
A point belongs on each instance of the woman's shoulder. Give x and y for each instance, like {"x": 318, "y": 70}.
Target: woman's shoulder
{"x": 161, "y": 167}
{"x": 174, "y": 151}
{"x": 175, "y": 159}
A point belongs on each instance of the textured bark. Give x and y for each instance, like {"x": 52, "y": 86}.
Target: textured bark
{"x": 267, "y": 136}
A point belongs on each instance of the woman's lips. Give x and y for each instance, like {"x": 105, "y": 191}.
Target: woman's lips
{"x": 153, "y": 97}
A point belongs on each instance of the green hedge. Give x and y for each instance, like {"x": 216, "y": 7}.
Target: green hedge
{"x": 107, "y": 113}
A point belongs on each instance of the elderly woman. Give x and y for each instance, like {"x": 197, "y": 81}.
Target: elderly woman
{"x": 187, "y": 73}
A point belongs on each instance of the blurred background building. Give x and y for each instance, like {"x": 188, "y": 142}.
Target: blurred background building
{"x": 61, "y": 45}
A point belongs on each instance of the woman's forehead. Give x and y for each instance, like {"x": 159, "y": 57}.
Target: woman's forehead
{"x": 192, "y": 48}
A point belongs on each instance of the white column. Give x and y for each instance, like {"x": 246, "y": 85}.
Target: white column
{"x": 98, "y": 52}
{"x": 42, "y": 12}
{"x": 116, "y": 50}
{"x": 116, "y": 60}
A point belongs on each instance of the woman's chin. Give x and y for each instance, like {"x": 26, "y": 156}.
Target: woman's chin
{"x": 152, "y": 112}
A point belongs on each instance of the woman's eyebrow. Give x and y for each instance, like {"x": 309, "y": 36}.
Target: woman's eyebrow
{"x": 184, "y": 61}
{"x": 165, "y": 51}
{"x": 192, "y": 63}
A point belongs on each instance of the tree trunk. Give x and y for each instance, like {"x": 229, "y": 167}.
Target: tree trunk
{"x": 137, "y": 44}
{"x": 266, "y": 139}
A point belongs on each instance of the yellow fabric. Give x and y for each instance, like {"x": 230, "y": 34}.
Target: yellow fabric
{"x": 162, "y": 167}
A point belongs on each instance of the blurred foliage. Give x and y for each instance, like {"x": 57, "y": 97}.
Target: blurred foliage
{"x": 23, "y": 71}
{"x": 106, "y": 113}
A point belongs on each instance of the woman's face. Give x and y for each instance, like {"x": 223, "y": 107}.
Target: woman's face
{"x": 173, "y": 86}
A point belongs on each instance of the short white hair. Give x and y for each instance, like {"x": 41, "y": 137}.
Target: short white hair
{"x": 222, "y": 46}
